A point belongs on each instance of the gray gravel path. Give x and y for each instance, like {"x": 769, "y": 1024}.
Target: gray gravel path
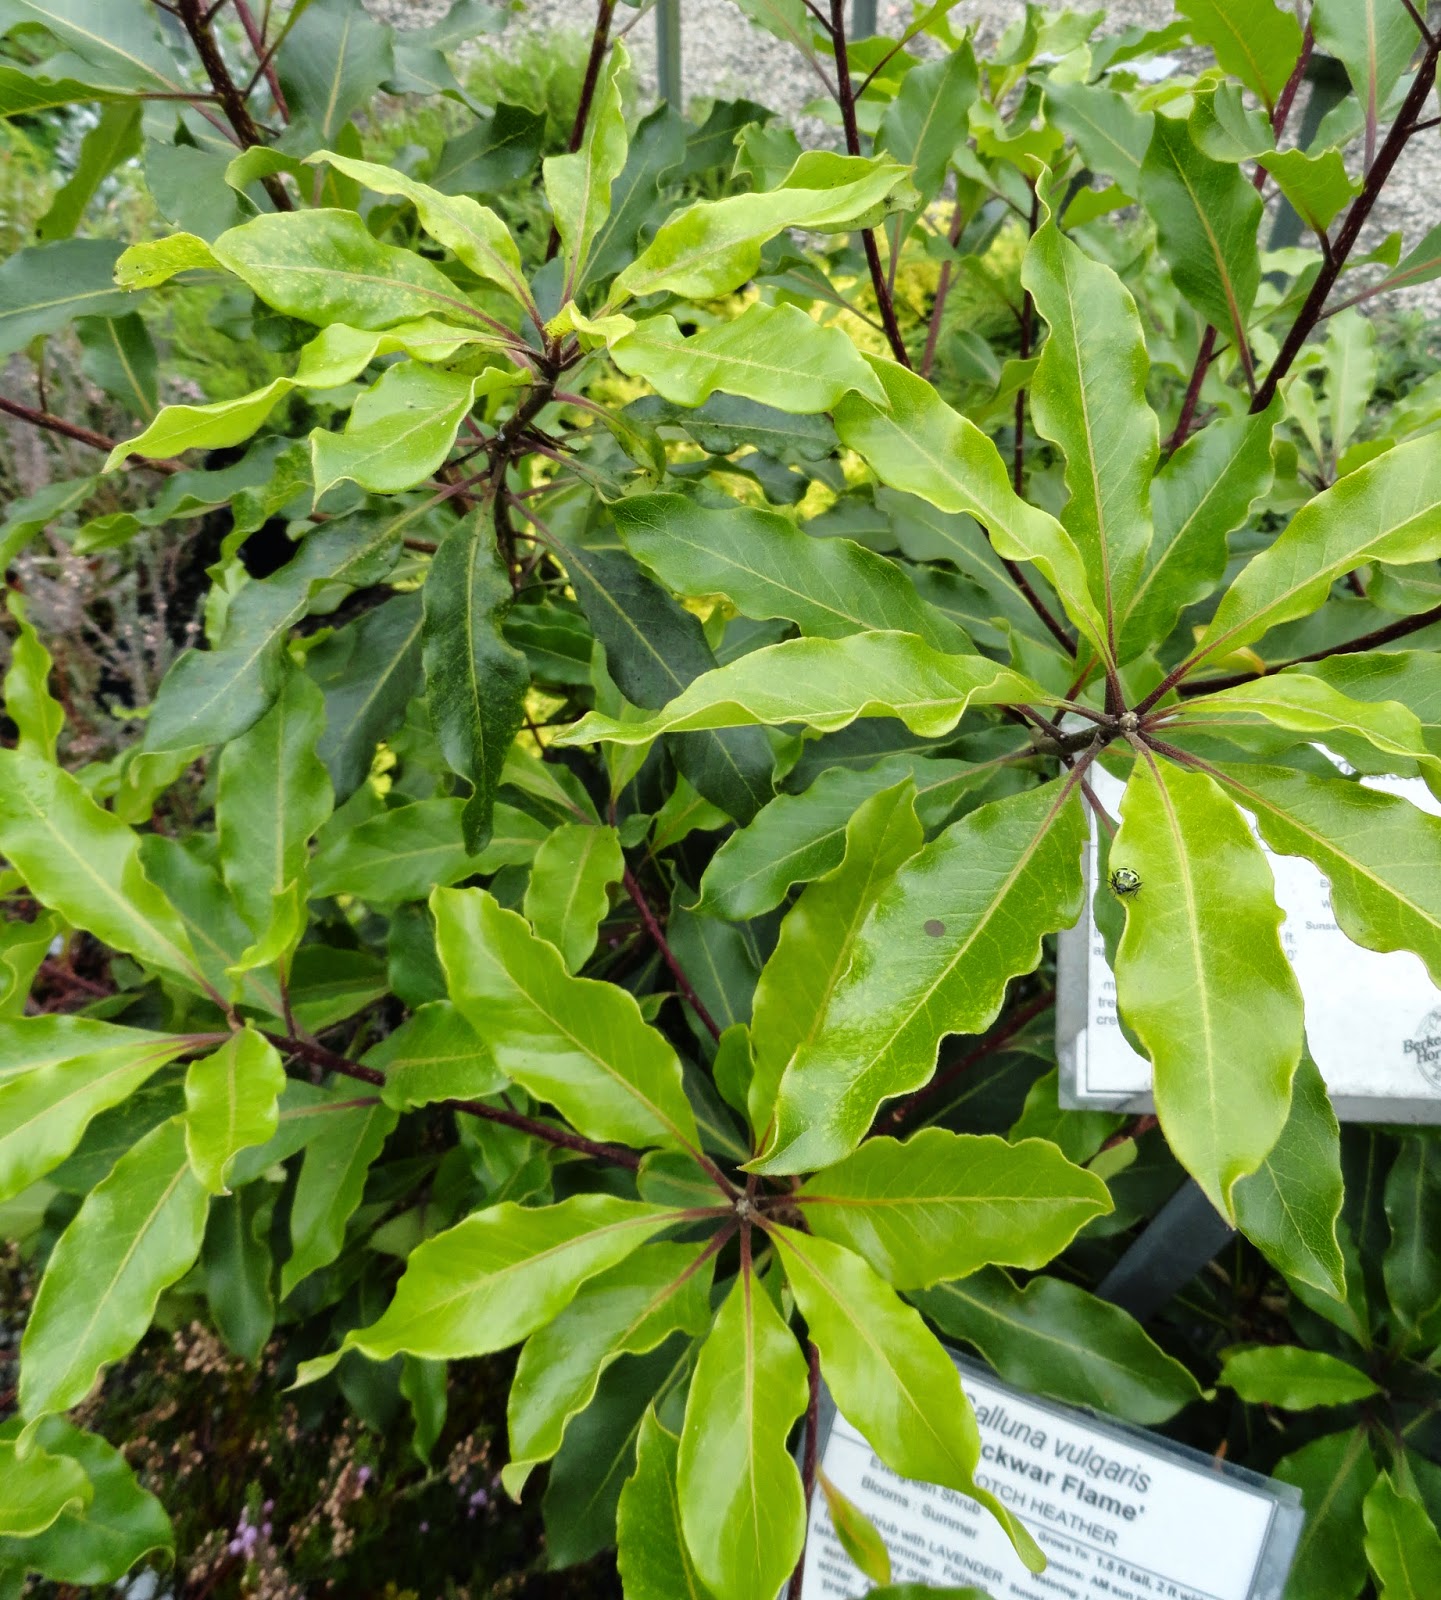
{"x": 724, "y": 54}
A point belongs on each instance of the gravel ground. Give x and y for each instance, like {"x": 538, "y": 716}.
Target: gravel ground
{"x": 723, "y": 54}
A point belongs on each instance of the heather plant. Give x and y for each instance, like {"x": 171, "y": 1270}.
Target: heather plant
{"x": 670, "y": 598}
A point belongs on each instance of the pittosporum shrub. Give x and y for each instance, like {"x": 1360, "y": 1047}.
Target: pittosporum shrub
{"x": 534, "y": 910}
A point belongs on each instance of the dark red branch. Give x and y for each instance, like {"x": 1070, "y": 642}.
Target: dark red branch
{"x": 809, "y": 1459}
{"x": 264, "y": 58}
{"x": 1193, "y": 390}
{"x": 599, "y": 39}
{"x": 657, "y": 933}
{"x": 73, "y": 430}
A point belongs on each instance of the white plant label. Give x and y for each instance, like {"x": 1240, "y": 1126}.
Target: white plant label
{"x": 1119, "y": 1518}
{"x": 1373, "y": 1020}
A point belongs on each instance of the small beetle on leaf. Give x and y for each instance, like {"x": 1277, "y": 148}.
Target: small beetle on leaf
{"x": 1124, "y": 881}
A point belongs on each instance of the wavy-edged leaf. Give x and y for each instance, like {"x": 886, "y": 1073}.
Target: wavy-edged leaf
{"x": 827, "y": 684}
{"x": 1318, "y": 186}
{"x": 231, "y": 1101}
{"x": 767, "y": 567}
{"x": 82, "y": 861}
{"x": 578, "y": 184}
{"x": 1403, "y": 1548}
{"x": 1294, "y": 1379}
{"x": 956, "y": 924}
{"x": 651, "y": 1552}
{"x": 35, "y": 1490}
{"x": 1088, "y": 397}
{"x": 499, "y": 1275}
{"x": 434, "y": 1054}
{"x": 575, "y": 1042}
{"x": 632, "y": 1308}
{"x": 1388, "y": 510}
{"x": 1052, "y": 1338}
{"x": 941, "y": 1205}
{"x": 917, "y": 443}
{"x": 137, "y": 1231}
{"x": 741, "y": 1503}
{"x": 1253, "y": 39}
{"x": 890, "y": 1377}
{"x": 568, "y": 893}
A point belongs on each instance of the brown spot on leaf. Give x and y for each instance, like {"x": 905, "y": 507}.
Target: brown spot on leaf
{"x": 935, "y": 927}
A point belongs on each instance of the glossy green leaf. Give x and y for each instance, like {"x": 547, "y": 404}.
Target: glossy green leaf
{"x": 434, "y": 1055}
{"x": 1374, "y": 40}
{"x": 818, "y": 940}
{"x": 1294, "y": 1379}
{"x": 499, "y": 1275}
{"x": 273, "y": 796}
{"x": 1412, "y": 1264}
{"x": 1096, "y": 346}
{"x": 767, "y": 567}
{"x": 49, "y": 285}
{"x": 917, "y": 443}
{"x": 889, "y": 1376}
{"x": 1318, "y": 186}
{"x": 776, "y": 354}
{"x": 35, "y": 1490}
{"x": 656, "y": 148}
{"x": 575, "y": 1042}
{"x": 578, "y": 184}
{"x": 472, "y": 232}
{"x": 632, "y": 1308}
{"x": 651, "y": 1554}
{"x": 83, "y": 862}
{"x": 827, "y": 684}
{"x": 1204, "y": 492}
{"x": 23, "y": 947}
{"x": 1378, "y": 851}
{"x": 1387, "y": 510}
{"x": 333, "y": 59}
{"x": 568, "y": 894}
{"x": 237, "y": 1266}
{"x": 37, "y": 715}
{"x": 1334, "y": 1474}
{"x": 1403, "y": 1548}
{"x": 1254, "y": 39}
{"x": 136, "y": 1233}
{"x": 332, "y": 1179}
{"x": 231, "y": 1101}
{"x": 741, "y": 1503}
{"x": 1206, "y": 215}
{"x": 956, "y": 924}
{"x": 1289, "y": 1206}
{"x": 940, "y": 1204}
{"x": 1053, "y": 1338}
{"x": 714, "y": 246}
{"x": 859, "y": 1536}
{"x": 1202, "y": 978}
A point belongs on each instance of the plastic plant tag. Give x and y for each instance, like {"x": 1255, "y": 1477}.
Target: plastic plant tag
{"x": 1118, "y": 1511}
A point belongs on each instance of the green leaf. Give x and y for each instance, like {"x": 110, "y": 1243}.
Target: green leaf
{"x": 927, "y": 119}
{"x": 24, "y": 91}
{"x": 890, "y": 1378}
{"x": 1088, "y": 397}
{"x": 332, "y": 61}
{"x": 776, "y": 354}
{"x": 858, "y": 1535}
{"x": 237, "y": 1266}
{"x": 499, "y": 1275}
{"x": 1335, "y": 1474}
{"x": 1206, "y": 215}
{"x": 1374, "y": 40}
{"x": 36, "y": 1490}
{"x": 1403, "y": 1548}
{"x": 1294, "y": 1379}
{"x": 632, "y": 1308}
{"x": 37, "y": 715}
{"x": 818, "y": 939}
{"x": 83, "y": 862}
{"x": 49, "y": 285}
{"x": 23, "y": 519}
{"x": 1378, "y": 851}
{"x": 121, "y": 1525}
{"x": 23, "y": 947}
{"x": 1253, "y": 40}
{"x": 475, "y": 681}
{"x": 1053, "y": 1338}
{"x": 1387, "y": 510}
{"x": 1412, "y": 1264}
{"x": 1111, "y": 134}
{"x": 332, "y": 1179}
{"x": 325, "y": 266}
{"x": 434, "y": 1055}
{"x": 115, "y": 137}
{"x": 1289, "y": 1206}
{"x": 273, "y": 796}
{"x": 1202, "y": 978}
{"x": 652, "y": 1556}
{"x": 231, "y": 1101}
{"x": 1204, "y": 492}
{"x": 472, "y": 232}
{"x": 121, "y": 357}
{"x": 940, "y": 1204}
{"x": 741, "y": 1502}
{"x": 827, "y": 684}
{"x": 917, "y": 443}
{"x": 714, "y": 246}
{"x": 657, "y": 147}
{"x": 578, "y": 184}
{"x": 575, "y": 1042}
{"x": 136, "y": 1233}
{"x": 956, "y": 924}
{"x": 1318, "y": 186}
{"x": 212, "y": 696}
{"x": 654, "y": 648}
{"x": 568, "y": 894}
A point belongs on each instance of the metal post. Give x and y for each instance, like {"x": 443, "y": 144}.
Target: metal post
{"x": 1178, "y": 1241}
{"x": 667, "y": 51}
{"x": 863, "y": 18}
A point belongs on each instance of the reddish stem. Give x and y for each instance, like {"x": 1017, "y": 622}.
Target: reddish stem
{"x": 808, "y": 1459}
{"x": 72, "y": 430}
{"x": 262, "y": 56}
{"x": 654, "y": 929}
